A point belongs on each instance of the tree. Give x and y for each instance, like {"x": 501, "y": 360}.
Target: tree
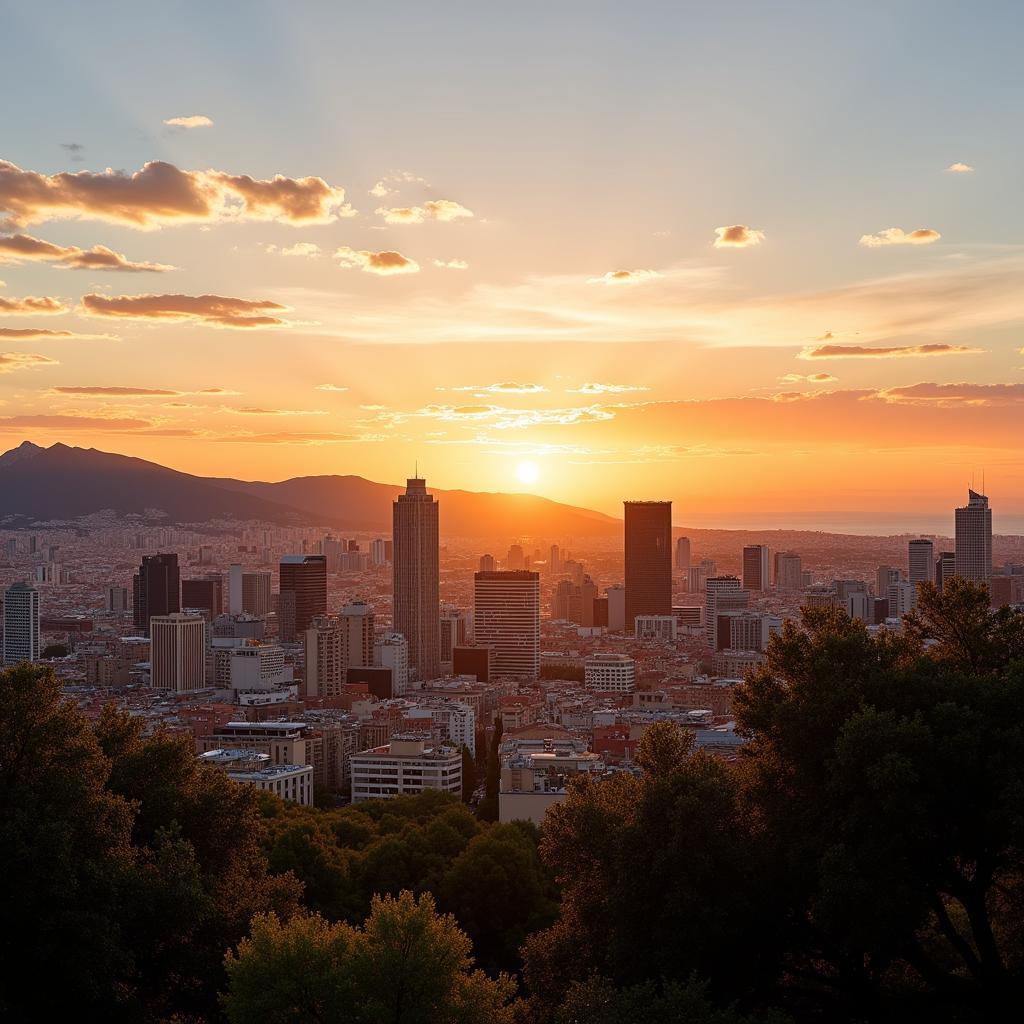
{"x": 406, "y": 965}
{"x": 500, "y": 891}
{"x": 488, "y": 809}
{"x": 54, "y": 651}
{"x": 64, "y": 855}
{"x": 468, "y": 775}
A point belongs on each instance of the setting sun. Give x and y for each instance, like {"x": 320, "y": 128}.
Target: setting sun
{"x": 527, "y": 472}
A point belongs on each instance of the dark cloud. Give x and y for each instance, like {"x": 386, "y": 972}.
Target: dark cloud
{"x": 211, "y": 310}
{"x": 23, "y": 248}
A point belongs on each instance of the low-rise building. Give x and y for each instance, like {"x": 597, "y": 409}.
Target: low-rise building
{"x": 404, "y": 767}
{"x": 292, "y": 782}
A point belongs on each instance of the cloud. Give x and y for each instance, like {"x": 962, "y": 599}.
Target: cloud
{"x": 897, "y": 236}
{"x": 959, "y": 168}
{"x": 22, "y": 248}
{"x": 330, "y": 387}
{"x": 499, "y": 417}
{"x": 737, "y": 236}
{"x": 593, "y": 388}
{"x": 34, "y": 333}
{"x": 310, "y": 249}
{"x": 292, "y": 438}
{"x": 116, "y": 391}
{"x": 74, "y": 151}
{"x": 810, "y": 378}
{"x": 451, "y": 264}
{"x": 32, "y": 305}
{"x": 11, "y": 361}
{"x": 210, "y": 310}
{"x": 384, "y": 263}
{"x": 624, "y": 277}
{"x": 885, "y": 351}
{"x": 252, "y": 410}
{"x": 192, "y": 121}
{"x": 380, "y": 190}
{"x": 161, "y": 194}
{"x": 502, "y": 388}
{"x": 61, "y": 422}
{"x": 955, "y": 394}
{"x": 434, "y": 209}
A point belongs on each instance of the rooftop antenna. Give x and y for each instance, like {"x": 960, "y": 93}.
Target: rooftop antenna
{"x": 416, "y": 471}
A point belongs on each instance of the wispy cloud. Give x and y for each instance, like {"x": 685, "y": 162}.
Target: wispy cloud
{"x": 959, "y": 168}
{"x": 192, "y": 121}
{"x": 955, "y": 394}
{"x": 32, "y": 305}
{"x": 625, "y": 277}
{"x": 44, "y": 334}
{"x": 12, "y": 361}
{"x": 25, "y": 248}
{"x": 501, "y": 388}
{"x": 331, "y": 387}
{"x": 809, "y": 378}
{"x": 451, "y": 264}
{"x": 886, "y": 351}
{"x": 434, "y": 209}
{"x": 594, "y": 388}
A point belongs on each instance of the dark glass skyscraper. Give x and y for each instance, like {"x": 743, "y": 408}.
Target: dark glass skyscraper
{"x": 648, "y": 542}
{"x": 303, "y": 593}
{"x": 156, "y": 588}
{"x": 416, "y": 574}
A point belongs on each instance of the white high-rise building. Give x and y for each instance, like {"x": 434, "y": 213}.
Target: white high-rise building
{"x": 613, "y": 673}
{"x": 506, "y": 617}
{"x": 392, "y": 651}
{"x": 974, "y": 539}
{"x": 378, "y": 552}
{"x": 902, "y": 597}
{"x": 177, "y": 652}
{"x": 405, "y": 766}
{"x": 616, "y": 608}
{"x": 723, "y": 593}
{"x": 20, "y": 624}
{"x": 921, "y": 562}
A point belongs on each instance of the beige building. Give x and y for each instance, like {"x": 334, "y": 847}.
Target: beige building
{"x": 405, "y": 766}
{"x": 177, "y": 653}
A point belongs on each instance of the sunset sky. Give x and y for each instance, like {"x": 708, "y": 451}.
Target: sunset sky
{"x": 760, "y": 259}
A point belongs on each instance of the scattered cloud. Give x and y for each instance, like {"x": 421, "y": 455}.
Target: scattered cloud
{"x": 955, "y": 394}
{"x": 62, "y": 422}
{"x": 809, "y": 378}
{"x": 380, "y": 190}
{"x": 897, "y": 236}
{"x": 210, "y": 310}
{"x": 502, "y": 388}
{"x": 253, "y": 410}
{"x": 384, "y": 263}
{"x": 39, "y": 333}
{"x": 960, "y": 168}
{"x": 310, "y": 249}
{"x": 451, "y": 264}
{"x": 624, "y": 277}
{"x": 433, "y": 209}
{"x": 594, "y": 388}
{"x": 192, "y": 121}
{"x": 162, "y": 194}
{"x": 24, "y": 248}
{"x": 115, "y": 391}
{"x": 885, "y": 351}
{"x": 737, "y": 236}
{"x": 11, "y": 361}
{"x": 31, "y": 305}
{"x": 292, "y": 438}
{"x": 330, "y": 387}
{"x": 498, "y": 417}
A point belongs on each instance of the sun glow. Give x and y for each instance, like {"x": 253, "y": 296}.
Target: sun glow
{"x": 527, "y": 472}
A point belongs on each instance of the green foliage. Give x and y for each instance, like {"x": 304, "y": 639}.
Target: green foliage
{"x": 488, "y": 809}
{"x": 406, "y": 965}
{"x": 468, "y": 775}
{"x": 54, "y": 651}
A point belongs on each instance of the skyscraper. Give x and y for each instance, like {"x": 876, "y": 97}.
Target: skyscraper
{"x": 506, "y": 618}
{"x": 177, "y": 655}
{"x": 945, "y": 568}
{"x": 206, "y": 593}
{"x": 20, "y": 624}
{"x": 303, "y": 588}
{"x": 156, "y": 588}
{"x": 724, "y": 593}
{"x": 755, "y": 567}
{"x": 416, "y": 575}
{"x": 921, "y": 562}
{"x": 974, "y": 539}
{"x": 648, "y": 544}
{"x": 683, "y": 553}
{"x": 788, "y": 571}
{"x": 357, "y": 621}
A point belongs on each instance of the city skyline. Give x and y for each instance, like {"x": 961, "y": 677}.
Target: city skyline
{"x": 815, "y": 318}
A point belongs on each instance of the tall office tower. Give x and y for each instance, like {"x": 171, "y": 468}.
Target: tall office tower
{"x": 902, "y": 598}
{"x": 156, "y": 588}
{"x": 325, "y": 659}
{"x": 945, "y": 568}
{"x": 554, "y": 559}
{"x": 515, "y": 557}
{"x": 257, "y": 593}
{"x": 117, "y": 599}
{"x": 235, "y": 589}
{"x": 487, "y": 563}
{"x": 416, "y": 574}
{"x": 304, "y": 577}
{"x": 454, "y": 631}
{"x": 506, "y": 617}
{"x": 206, "y": 593}
{"x": 921, "y": 562}
{"x": 648, "y": 544}
{"x": 392, "y": 651}
{"x": 357, "y": 621}
{"x": 755, "y": 567}
{"x": 20, "y": 624}
{"x": 788, "y": 571}
{"x": 683, "y": 553}
{"x": 616, "y": 608}
{"x": 177, "y": 652}
{"x": 886, "y": 576}
{"x": 377, "y": 556}
{"x": 974, "y": 539}
{"x": 724, "y": 593}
